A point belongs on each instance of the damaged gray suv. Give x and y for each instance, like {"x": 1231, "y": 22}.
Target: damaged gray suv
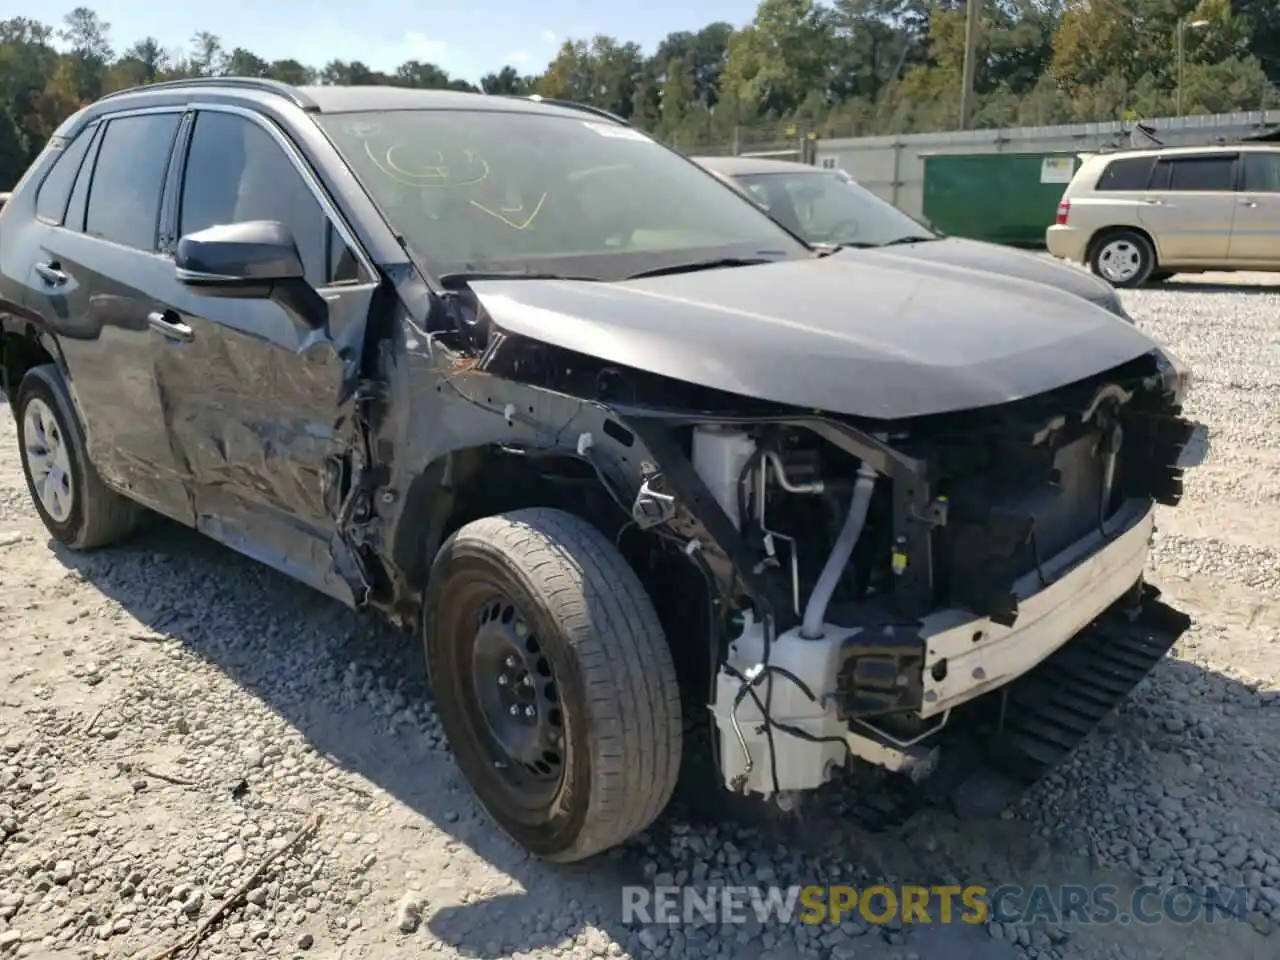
{"x": 643, "y": 469}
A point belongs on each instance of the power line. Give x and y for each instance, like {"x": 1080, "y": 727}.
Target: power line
{"x": 972, "y": 14}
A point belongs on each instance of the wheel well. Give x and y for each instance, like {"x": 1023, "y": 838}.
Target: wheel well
{"x": 488, "y": 481}
{"x": 1106, "y": 232}
{"x": 19, "y": 352}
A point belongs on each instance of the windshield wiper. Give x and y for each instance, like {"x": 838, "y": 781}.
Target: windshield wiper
{"x": 902, "y": 240}
{"x": 466, "y": 276}
{"x": 694, "y": 265}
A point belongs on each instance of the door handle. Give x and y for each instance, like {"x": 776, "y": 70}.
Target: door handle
{"x": 1153, "y": 201}
{"x": 51, "y": 273}
{"x": 167, "y": 323}
{"x": 1248, "y": 203}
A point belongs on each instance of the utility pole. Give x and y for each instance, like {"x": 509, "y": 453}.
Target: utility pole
{"x": 972, "y": 13}
{"x": 1181, "y": 45}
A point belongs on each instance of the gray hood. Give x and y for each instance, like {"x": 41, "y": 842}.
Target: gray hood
{"x": 976, "y": 255}
{"x": 871, "y": 336}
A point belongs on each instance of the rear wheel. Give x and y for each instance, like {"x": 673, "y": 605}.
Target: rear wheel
{"x": 77, "y": 508}
{"x": 553, "y": 681}
{"x": 1124, "y": 258}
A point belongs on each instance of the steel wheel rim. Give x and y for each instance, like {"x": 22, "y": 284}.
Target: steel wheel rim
{"x": 516, "y": 699}
{"x": 1120, "y": 260}
{"x": 48, "y": 462}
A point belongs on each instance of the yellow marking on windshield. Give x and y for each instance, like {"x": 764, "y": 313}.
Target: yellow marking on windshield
{"x": 511, "y": 223}
{"x": 421, "y": 179}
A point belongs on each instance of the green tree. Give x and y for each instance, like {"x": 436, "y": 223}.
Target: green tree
{"x": 207, "y": 57}
{"x": 601, "y": 72}
{"x": 506, "y": 82}
{"x": 292, "y": 72}
{"x": 86, "y": 34}
{"x": 245, "y": 63}
{"x": 780, "y": 61}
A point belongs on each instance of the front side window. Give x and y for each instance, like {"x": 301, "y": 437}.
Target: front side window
{"x": 237, "y": 172}
{"x": 829, "y": 207}
{"x": 489, "y": 190}
{"x": 128, "y": 178}
{"x": 1262, "y": 172}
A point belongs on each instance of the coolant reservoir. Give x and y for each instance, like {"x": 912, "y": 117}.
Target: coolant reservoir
{"x": 719, "y": 457}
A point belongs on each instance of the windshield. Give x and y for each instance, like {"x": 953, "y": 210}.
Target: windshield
{"x": 495, "y": 191}
{"x": 826, "y": 206}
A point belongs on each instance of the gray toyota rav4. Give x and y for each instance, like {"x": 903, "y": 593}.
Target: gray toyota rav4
{"x": 643, "y": 470}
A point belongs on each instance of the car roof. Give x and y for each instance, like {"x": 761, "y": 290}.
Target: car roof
{"x": 337, "y": 99}
{"x": 342, "y": 99}
{"x": 748, "y": 166}
{"x": 1184, "y": 151}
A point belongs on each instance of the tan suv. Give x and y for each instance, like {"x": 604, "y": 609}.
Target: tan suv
{"x": 1140, "y": 216}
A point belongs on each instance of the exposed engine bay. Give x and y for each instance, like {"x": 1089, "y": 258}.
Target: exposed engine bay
{"x": 910, "y": 572}
{"x": 941, "y": 589}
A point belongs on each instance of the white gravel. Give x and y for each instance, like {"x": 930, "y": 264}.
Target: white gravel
{"x": 171, "y": 715}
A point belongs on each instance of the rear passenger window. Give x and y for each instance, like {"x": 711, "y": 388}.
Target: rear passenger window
{"x": 1201, "y": 173}
{"x": 51, "y": 198}
{"x": 124, "y": 198}
{"x": 1131, "y": 173}
{"x": 74, "y": 220}
{"x": 236, "y": 172}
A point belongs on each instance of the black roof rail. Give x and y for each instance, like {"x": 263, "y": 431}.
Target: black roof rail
{"x": 261, "y": 84}
{"x": 574, "y": 105}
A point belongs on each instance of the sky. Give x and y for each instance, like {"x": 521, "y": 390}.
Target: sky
{"x": 468, "y": 38}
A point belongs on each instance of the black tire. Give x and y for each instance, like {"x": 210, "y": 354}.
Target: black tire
{"x": 595, "y": 628}
{"x": 1124, "y": 258}
{"x": 98, "y": 516}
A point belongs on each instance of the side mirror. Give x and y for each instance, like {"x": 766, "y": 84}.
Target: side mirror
{"x": 255, "y": 260}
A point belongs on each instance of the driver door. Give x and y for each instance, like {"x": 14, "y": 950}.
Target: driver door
{"x": 254, "y": 404}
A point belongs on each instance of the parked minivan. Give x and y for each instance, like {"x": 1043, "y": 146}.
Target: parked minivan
{"x": 1140, "y": 216}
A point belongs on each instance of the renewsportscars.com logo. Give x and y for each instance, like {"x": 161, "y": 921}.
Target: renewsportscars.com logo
{"x": 809, "y": 905}
{"x": 945, "y": 904}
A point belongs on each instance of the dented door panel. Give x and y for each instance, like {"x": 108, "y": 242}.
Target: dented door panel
{"x": 261, "y": 412}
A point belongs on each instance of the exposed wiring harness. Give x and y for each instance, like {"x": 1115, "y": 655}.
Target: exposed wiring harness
{"x": 748, "y": 690}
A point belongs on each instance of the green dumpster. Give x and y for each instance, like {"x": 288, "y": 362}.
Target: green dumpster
{"x": 1009, "y": 198}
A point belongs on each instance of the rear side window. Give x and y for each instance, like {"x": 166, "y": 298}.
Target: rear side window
{"x": 1209, "y": 174}
{"x": 124, "y": 198}
{"x": 1262, "y": 172}
{"x": 1130, "y": 173}
{"x": 51, "y": 198}
{"x": 74, "y": 220}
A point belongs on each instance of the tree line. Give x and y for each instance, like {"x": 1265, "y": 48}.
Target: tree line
{"x": 838, "y": 68}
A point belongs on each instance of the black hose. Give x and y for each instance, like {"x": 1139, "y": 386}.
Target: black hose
{"x": 752, "y": 461}
{"x": 748, "y": 690}
{"x": 717, "y": 630}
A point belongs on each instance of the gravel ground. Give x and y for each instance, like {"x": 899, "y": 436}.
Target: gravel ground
{"x": 171, "y": 716}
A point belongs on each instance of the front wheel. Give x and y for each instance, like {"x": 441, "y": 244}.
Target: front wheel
{"x": 553, "y": 681}
{"x": 1124, "y": 259}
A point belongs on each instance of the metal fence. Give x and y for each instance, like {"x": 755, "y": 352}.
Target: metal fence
{"x": 787, "y": 141}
